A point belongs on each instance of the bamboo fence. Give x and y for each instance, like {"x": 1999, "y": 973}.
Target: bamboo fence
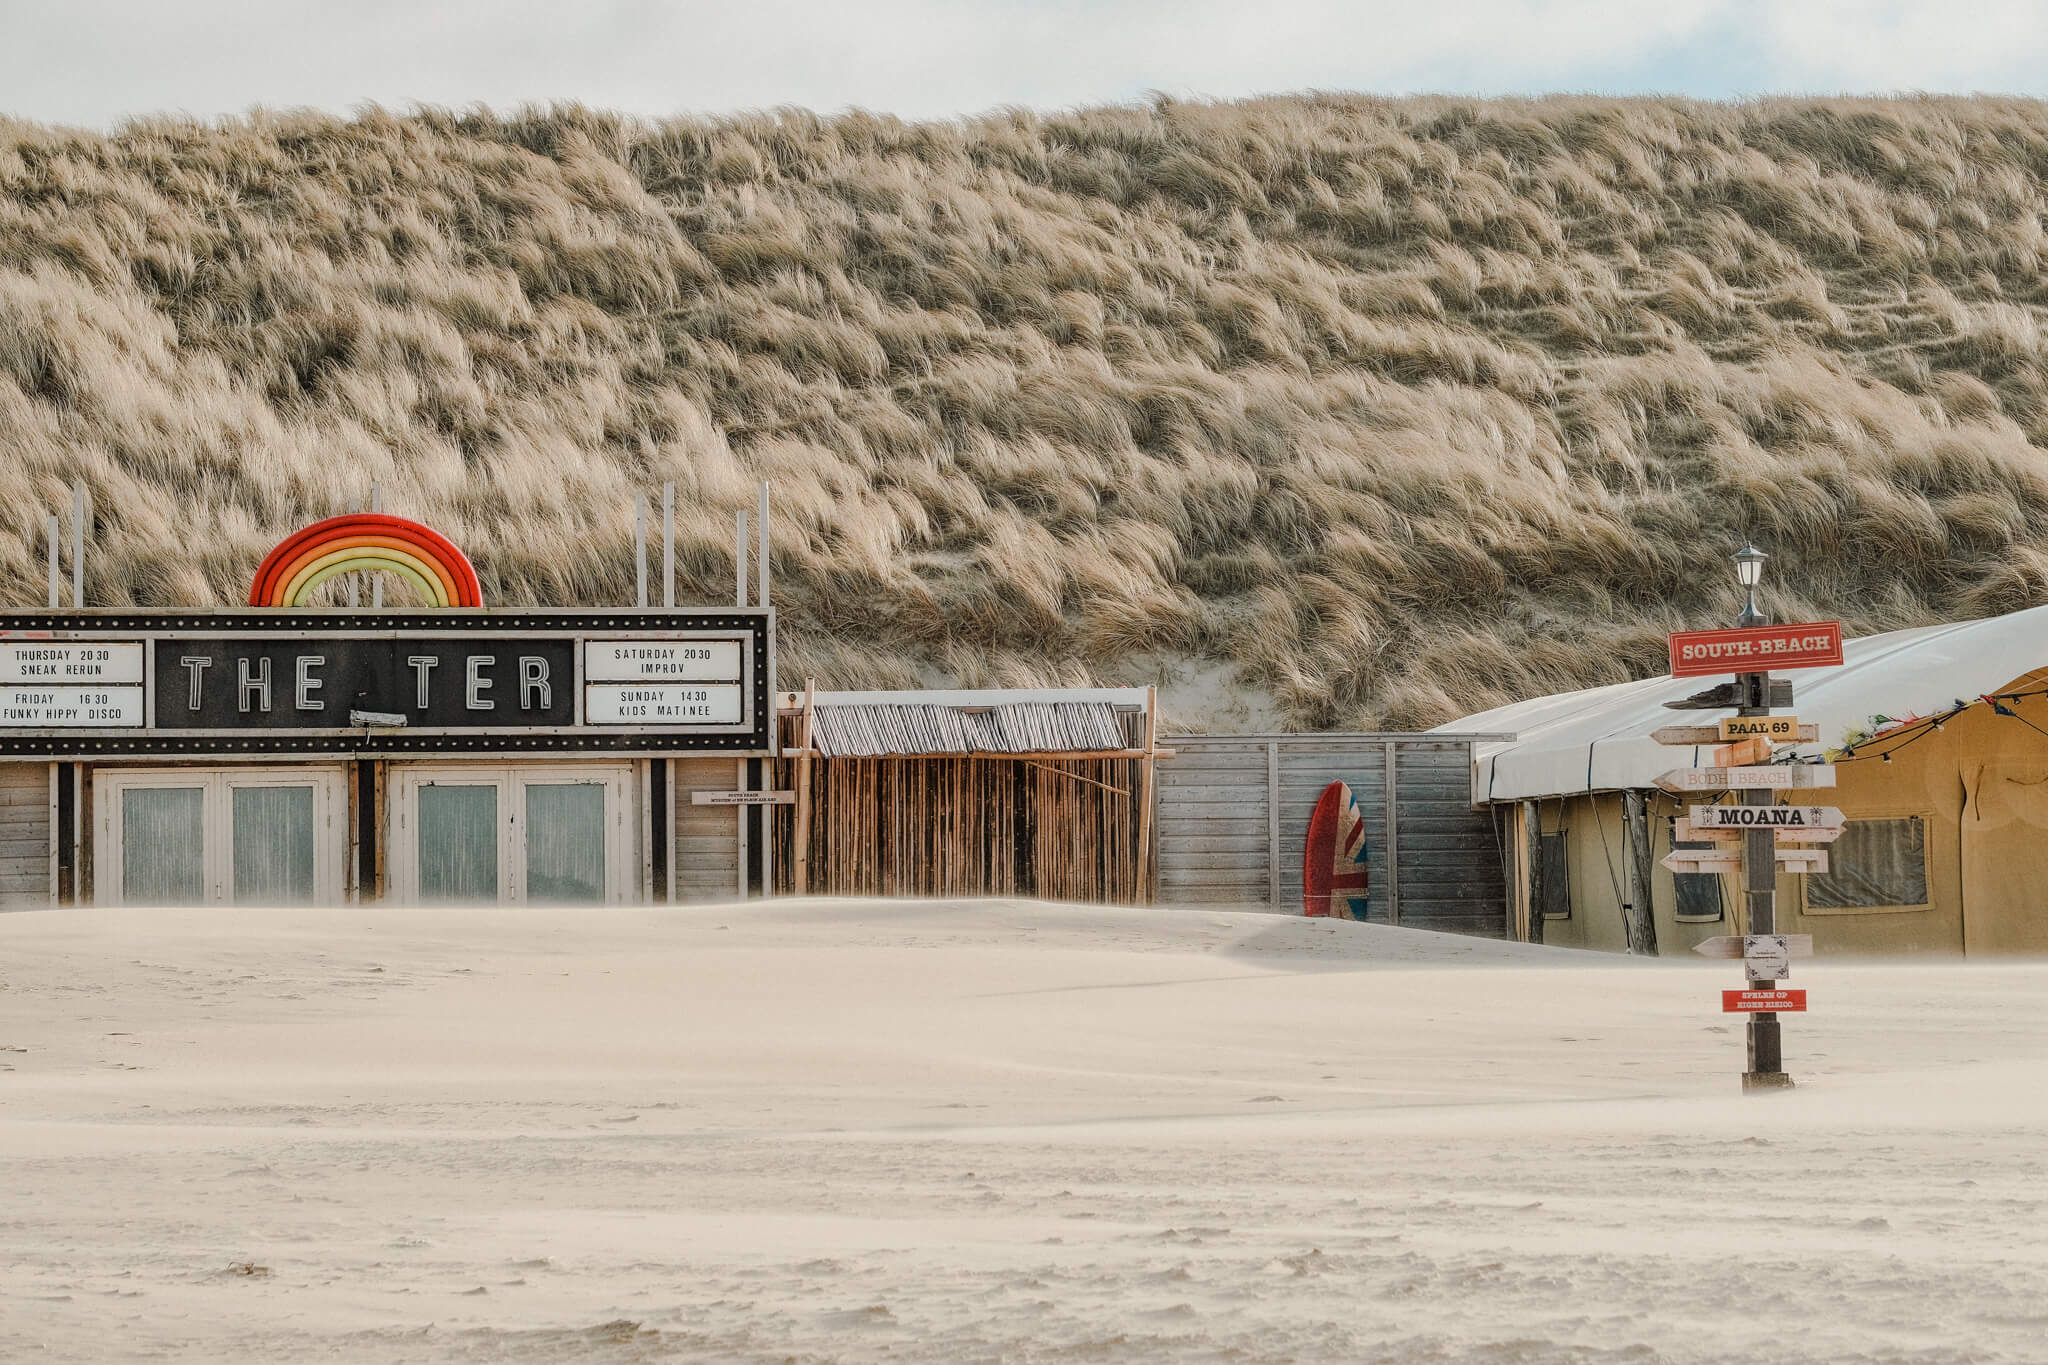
{"x": 980, "y": 824}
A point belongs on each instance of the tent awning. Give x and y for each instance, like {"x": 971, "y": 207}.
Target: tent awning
{"x": 1599, "y": 739}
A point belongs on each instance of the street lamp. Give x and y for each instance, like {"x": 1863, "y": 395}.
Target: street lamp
{"x": 1749, "y": 571}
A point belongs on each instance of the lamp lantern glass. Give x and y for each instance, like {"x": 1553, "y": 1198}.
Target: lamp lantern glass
{"x": 1749, "y": 566}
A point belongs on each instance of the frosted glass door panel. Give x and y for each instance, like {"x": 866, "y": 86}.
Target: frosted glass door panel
{"x": 565, "y": 842}
{"x": 273, "y": 834}
{"x": 163, "y": 845}
{"x": 458, "y": 843}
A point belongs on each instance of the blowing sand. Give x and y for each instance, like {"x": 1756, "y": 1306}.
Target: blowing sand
{"x": 990, "y": 1131}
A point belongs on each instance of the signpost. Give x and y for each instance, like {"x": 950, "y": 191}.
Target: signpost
{"x": 1754, "y": 837}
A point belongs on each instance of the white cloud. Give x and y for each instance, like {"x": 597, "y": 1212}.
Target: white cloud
{"x": 92, "y": 61}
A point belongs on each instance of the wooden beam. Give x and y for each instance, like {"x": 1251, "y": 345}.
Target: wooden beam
{"x": 1145, "y": 796}
{"x": 800, "y": 836}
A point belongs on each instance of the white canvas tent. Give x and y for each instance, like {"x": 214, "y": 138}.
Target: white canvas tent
{"x": 1598, "y": 739}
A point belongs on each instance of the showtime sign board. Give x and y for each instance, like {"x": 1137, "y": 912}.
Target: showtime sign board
{"x": 1756, "y": 649}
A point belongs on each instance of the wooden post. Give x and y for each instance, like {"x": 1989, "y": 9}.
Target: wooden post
{"x": 1142, "y": 889}
{"x": 1760, "y": 883}
{"x": 800, "y": 836}
{"x": 1532, "y": 825}
{"x": 380, "y": 825}
{"x": 1641, "y": 925}
{"x": 1275, "y": 893}
{"x": 1393, "y": 856}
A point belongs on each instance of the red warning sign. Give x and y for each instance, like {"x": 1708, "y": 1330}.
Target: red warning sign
{"x": 1763, "y": 1002}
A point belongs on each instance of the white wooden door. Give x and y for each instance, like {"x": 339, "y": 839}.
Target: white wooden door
{"x": 219, "y": 836}
{"x": 526, "y": 833}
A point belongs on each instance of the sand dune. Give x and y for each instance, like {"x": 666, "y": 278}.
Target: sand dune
{"x": 989, "y": 1131}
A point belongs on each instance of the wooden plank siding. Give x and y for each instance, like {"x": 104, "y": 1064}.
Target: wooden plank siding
{"x": 707, "y": 837}
{"x": 1216, "y": 829}
{"x": 24, "y": 836}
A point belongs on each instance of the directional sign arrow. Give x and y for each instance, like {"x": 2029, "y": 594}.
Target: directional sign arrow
{"x": 1780, "y": 778}
{"x": 1720, "y": 734}
{"x": 1685, "y": 831}
{"x": 1733, "y": 945}
{"x": 1687, "y": 861}
{"x": 1779, "y": 694}
{"x": 1742, "y": 753}
{"x": 1766, "y": 817}
{"x": 1797, "y": 861}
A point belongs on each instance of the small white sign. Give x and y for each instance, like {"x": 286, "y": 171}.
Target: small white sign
{"x": 742, "y": 798}
{"x": 661, "y": 661}
{"x": 1767, "y": 957}
{"x": 70, "y": 708}
{"x": 663, "y": 704}
{"x": 52, "y": 662}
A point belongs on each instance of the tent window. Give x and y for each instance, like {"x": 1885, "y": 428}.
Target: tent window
{"x": 1876, "y": 863}
{"x": 1557, "y": 888}
{"x": 1698, "y": 893}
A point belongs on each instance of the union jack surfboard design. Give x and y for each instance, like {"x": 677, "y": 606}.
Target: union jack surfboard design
{"x": 1334, "y": 875}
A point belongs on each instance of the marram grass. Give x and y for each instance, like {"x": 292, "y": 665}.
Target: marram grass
{"x": 1407, "y": 407}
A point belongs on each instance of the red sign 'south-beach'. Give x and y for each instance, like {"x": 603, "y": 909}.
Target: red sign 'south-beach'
{"x": 1815, "y": 644}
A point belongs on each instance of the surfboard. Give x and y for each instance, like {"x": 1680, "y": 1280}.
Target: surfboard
{"x": 1334, "y": 875}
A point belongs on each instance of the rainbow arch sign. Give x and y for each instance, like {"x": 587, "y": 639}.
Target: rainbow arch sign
{"x": 366, "y": 540}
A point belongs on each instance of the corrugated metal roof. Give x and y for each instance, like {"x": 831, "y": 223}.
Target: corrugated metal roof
{"x": 864, "y": 730}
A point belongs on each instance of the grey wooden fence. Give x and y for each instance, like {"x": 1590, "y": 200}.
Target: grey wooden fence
{"x": 1233, "y": 819}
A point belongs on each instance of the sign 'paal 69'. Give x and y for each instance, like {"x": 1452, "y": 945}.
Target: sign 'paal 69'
{"x": 1814, "y": 644}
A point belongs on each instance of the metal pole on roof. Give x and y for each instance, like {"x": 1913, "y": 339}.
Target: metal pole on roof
{"x": 78, "y": 515}
{"x": 53, "y": 561}
{"x": 640, "y": 549}
{"x": 668, "y": 545}
{"x": 376, "y": 580}
{"x": 763, "y": 566}
{"x": 739, "y": 562}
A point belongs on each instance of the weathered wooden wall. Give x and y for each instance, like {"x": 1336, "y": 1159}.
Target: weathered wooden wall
{"x": 1233, "y": 818}
{"x": 24, "y": 835}
{"x": 707, "y": 837}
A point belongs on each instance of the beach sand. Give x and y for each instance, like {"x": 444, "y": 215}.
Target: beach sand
{"x": 991, "y": 1131}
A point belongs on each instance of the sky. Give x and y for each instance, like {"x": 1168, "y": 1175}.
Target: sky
{"x": 95, "y": 62}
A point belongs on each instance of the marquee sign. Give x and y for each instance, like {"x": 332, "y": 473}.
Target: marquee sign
{"x": 178, "y": 683}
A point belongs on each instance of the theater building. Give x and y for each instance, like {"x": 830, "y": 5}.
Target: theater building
{"x": 280, "y": 754}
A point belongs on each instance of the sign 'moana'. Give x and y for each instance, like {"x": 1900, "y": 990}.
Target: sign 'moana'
{"x": 1767, "y": 817}
{"x": 1755, "y": 649}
